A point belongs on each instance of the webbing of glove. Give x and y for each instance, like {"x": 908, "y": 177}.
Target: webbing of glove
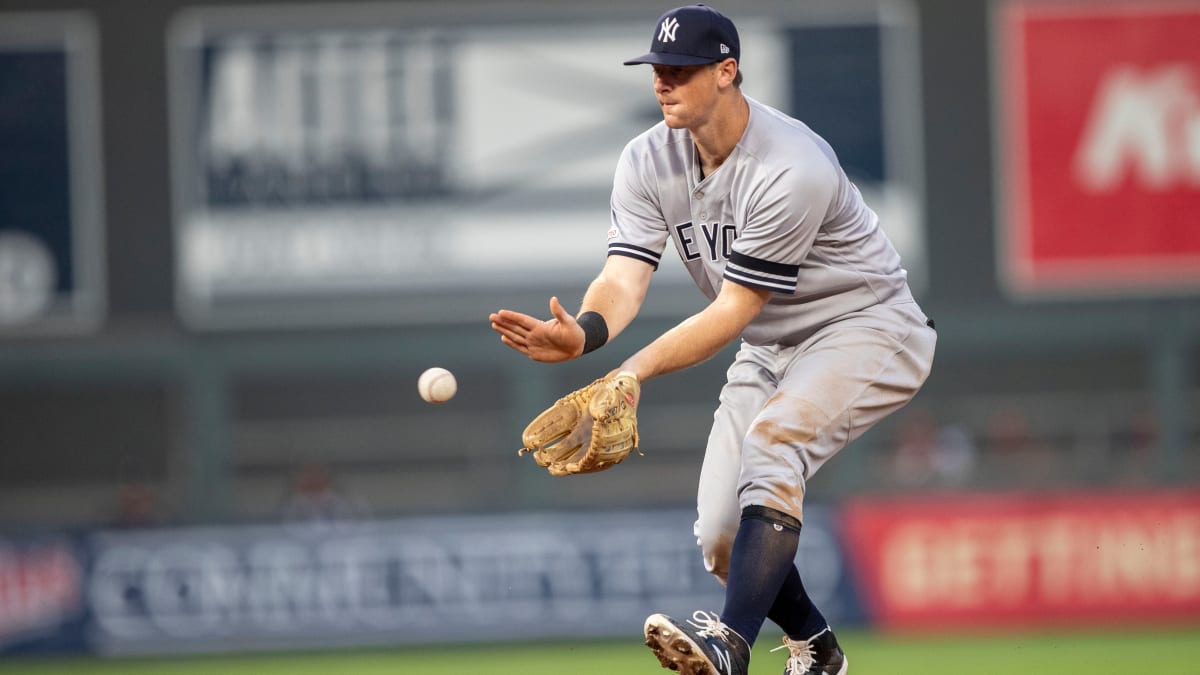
{"x": 614, "y": 433}
{"x": 558, "y": 433}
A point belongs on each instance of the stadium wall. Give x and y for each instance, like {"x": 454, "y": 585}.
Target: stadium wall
{"x": 920, "y": 564}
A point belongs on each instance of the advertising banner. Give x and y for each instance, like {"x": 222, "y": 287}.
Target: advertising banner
{"x": 342, "y": 163}
{"x": 41, "y": 594}
{"x": 962, "y": 562}
{"x": 1098, "y": 149}
{"x": 51, "y": 209}
{"x": 953, "y": 562}
{"x": 520, "y": 576}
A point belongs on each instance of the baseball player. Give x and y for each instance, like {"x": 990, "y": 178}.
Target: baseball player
{"x": 796, "y": 266}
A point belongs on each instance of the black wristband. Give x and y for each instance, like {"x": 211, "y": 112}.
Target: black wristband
{"x": 595, "y": 330}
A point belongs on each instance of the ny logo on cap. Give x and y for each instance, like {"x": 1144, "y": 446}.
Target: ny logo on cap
{"x": 667, "y": 32}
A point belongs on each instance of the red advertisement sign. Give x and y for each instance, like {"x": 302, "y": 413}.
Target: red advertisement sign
{"x": 40, "y": 588}
{"x": 1099, "y": 146}
{"x": 973, "y": 562}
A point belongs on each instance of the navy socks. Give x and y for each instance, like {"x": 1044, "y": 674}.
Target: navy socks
{"x": 794, "y": 611}
{"x": 761, "y": 565}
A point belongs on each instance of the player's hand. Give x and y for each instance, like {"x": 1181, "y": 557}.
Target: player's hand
{"x": 550, "y": 341}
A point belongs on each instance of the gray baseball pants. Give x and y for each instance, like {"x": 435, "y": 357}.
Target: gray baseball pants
{"x": 786, "y": 410}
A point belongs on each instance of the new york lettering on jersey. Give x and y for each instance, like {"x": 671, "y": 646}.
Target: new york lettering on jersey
{"x": 805, "y": 235}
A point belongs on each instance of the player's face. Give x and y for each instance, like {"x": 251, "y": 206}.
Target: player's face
{"x": 686, "y": 94}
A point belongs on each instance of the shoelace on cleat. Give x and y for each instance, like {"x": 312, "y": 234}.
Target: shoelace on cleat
{"x": 710, "y": 625}
{"x": 802, "y": 658}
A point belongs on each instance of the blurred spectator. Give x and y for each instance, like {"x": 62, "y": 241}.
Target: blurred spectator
{"x": 955, "y": 456}
{"x": 137, "y": 506}
{"x": 315, "y": 500}
{"x": 912, "y": 462}
{"x": 929, "y": 455}
{"x": 1020, "y": 458}
{"x": 1133, "y": 450}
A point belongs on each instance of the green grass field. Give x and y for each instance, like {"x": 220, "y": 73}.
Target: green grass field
{"x": 1173, "y": 652}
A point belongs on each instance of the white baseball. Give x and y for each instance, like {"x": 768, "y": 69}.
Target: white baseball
{"x": 437, "y": 385}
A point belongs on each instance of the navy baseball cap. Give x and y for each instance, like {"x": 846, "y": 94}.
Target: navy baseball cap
{"x": 692, "y": 35}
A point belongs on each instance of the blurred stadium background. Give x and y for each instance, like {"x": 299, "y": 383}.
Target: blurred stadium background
{"x": 233, "y": 233}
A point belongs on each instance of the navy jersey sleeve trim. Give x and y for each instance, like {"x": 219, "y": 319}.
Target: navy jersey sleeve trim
{"x": 637, "y": 252}
{"x": 764, "y": 274}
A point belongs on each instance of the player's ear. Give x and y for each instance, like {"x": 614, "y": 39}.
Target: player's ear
{"x": 727, "y": 71}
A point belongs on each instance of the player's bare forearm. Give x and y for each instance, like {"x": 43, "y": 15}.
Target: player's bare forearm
{"x": 700, "y": 336}
{"x": 617, "y": 292}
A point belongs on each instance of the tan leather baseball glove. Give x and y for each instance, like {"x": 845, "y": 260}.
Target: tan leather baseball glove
{"x": 590, "y": 429}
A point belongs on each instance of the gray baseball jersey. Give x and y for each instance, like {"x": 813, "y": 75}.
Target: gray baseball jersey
{"x": 779, "y": 214}
{"x": 840, "y": 344}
